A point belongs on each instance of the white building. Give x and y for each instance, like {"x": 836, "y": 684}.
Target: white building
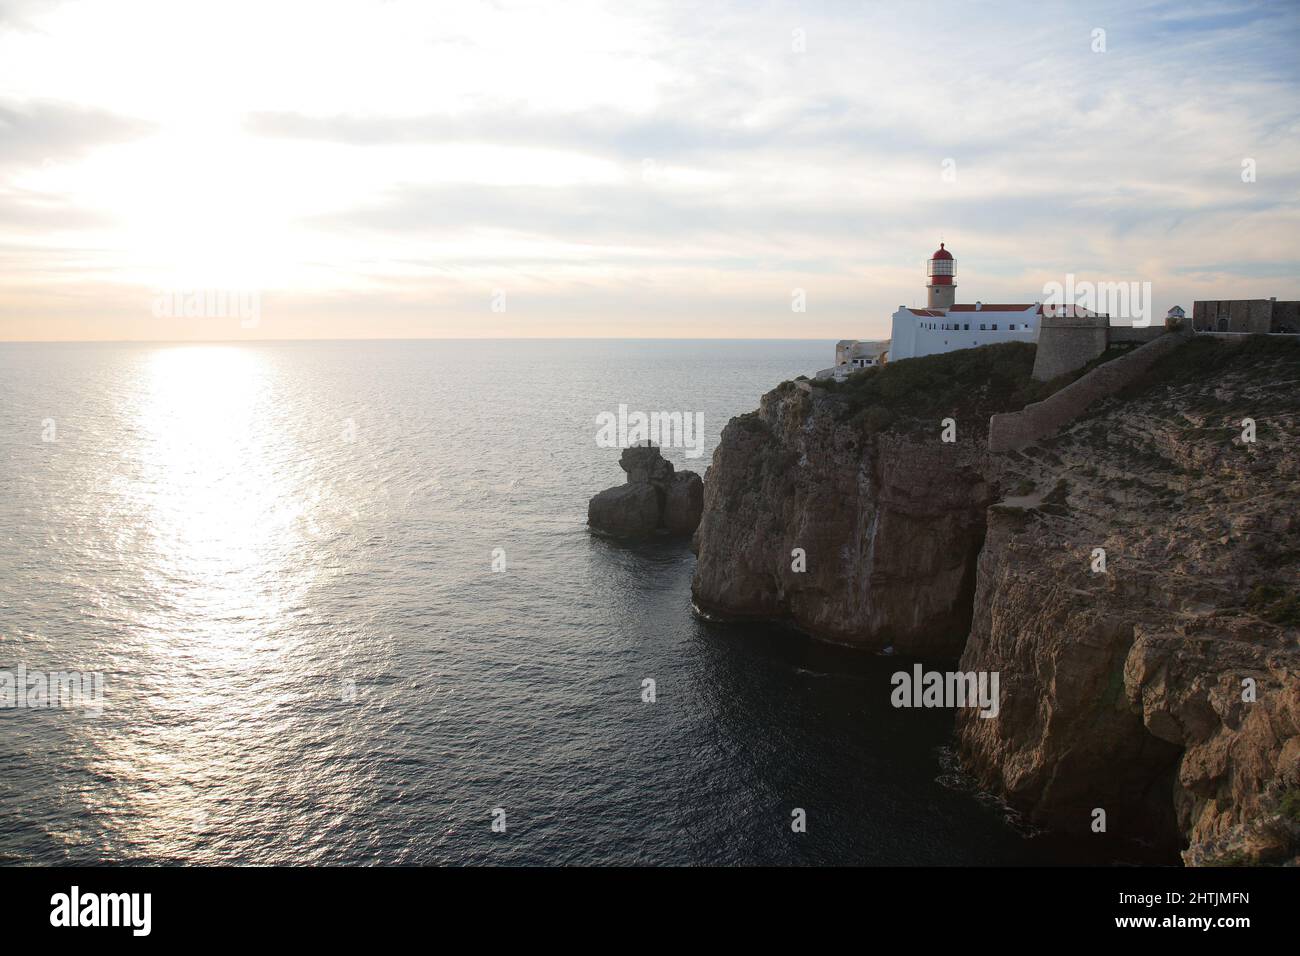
{"x": 852, "y": 355}
{"x": 857, "y": 354}
{"x": 945, "y": 325}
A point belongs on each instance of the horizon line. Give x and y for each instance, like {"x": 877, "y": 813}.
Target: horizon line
{"x": 426, "y": 338}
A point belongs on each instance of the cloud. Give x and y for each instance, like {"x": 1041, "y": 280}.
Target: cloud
{"x": 20, "y": 14}
{"x": 805, "y": 125}
{"x": 34, "y": 132}
{"x": 41, "y": 214}
{"x": 589, "y": 213}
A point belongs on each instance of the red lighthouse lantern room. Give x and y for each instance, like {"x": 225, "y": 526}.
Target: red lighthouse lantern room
{"x": 941, "y": 290}
{"x": 940, "y": 271}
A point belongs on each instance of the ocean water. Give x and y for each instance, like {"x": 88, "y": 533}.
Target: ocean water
{"x": 280, "y": 558}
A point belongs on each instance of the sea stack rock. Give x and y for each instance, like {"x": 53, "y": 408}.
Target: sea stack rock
{"x": 656, "y": 499}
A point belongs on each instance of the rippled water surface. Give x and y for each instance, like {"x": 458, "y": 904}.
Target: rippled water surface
{"x": 280, "y": 558}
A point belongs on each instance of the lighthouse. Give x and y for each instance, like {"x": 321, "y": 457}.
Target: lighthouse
{"x": 941, "y": 290}
{"x": 945, "y": 325}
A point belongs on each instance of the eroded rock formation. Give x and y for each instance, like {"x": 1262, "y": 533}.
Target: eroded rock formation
{"x": 655, "y": 498}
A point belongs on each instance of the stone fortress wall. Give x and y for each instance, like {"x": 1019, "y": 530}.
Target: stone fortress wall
{"x": 1246, "y": 315}
{"x": 1068, "y": 343}
{"x": 1015, "y": 430}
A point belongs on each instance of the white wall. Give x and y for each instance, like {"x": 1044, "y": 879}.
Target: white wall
{"x": 903, "y": 336}
{"x": 912, "y": 339}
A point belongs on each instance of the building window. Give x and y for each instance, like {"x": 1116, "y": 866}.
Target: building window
{"x": 1013, "y": 326}
{"x": 967, "y": 327}
{"x": 982, "y": 329}
{"x": 995, "y": 326}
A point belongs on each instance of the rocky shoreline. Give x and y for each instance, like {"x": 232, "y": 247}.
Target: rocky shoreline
{"x": 1164, "y": 688}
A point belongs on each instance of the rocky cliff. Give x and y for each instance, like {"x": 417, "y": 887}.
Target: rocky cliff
{"x": 888, "y": 526}
{"x": 888, "y": 515}
{"x": 1122, "y": 689}
{"x": 1164, "y": 689}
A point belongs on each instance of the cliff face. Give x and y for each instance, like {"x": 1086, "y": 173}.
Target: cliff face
{"x": 889, "y": 525}
{"x": 1128, "y": 689}
{"x": 1121, "y": 689}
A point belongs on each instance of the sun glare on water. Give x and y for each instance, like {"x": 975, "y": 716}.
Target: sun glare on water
{"x": 215, "y": 481}
{"x": 216, "y": 487}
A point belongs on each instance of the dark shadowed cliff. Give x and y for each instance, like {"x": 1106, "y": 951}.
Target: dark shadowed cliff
{"x": 890, "y": 518}
{"x": 1164, "y": 689}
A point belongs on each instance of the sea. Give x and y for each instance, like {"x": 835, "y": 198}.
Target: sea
{"x": 336, "y": 603}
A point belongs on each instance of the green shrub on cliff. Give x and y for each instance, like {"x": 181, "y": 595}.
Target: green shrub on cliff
{"x": 873, "y": 418}
{"x": 969, "y": 385}
{"x": 1057, "y": 501}
{"x": 1275, "y": 604}
{"x": 1289, "y": 805}
{"x": 753, "y": 423}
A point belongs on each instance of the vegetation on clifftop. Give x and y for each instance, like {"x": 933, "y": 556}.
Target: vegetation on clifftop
{"x": 1269, "y": 359}
{"x": 968, "y": 385}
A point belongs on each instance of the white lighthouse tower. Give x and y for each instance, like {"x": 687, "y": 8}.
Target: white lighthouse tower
{"x": 941, "y": 290}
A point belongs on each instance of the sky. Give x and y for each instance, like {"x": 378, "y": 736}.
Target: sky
{"x": 392, "y": 169}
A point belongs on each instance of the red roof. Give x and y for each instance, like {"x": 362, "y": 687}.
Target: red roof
{"x": 985, "y": 307}
{"x": 942, "y": 253}
{"x": 1066, "y": 310}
